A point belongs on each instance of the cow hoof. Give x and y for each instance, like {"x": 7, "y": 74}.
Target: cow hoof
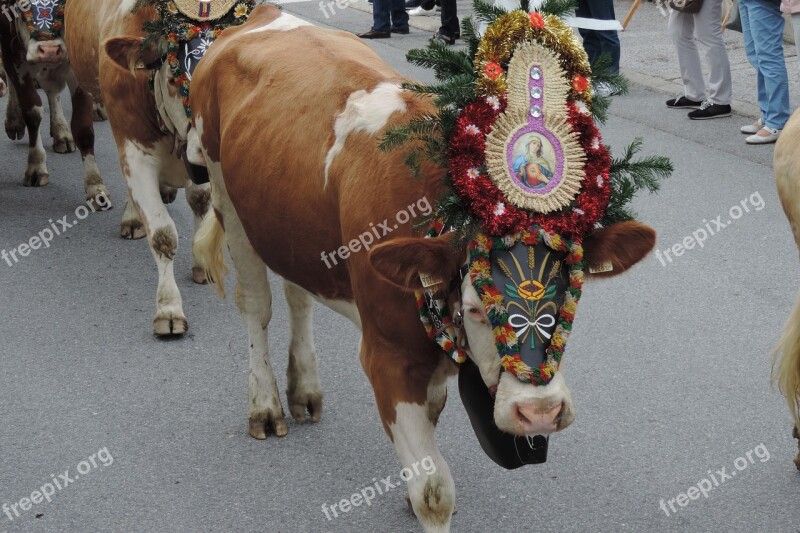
{"x": 15, "y": 128}
{"x": 411, "y": 507}
{"x": 133, "y": 229}
{"x": 298, "y": 403}
{"x": 99, "y": 113}
{"x": 170, "y": 326}
{"x": 199, "y": 275}
{"x": 168, "y": 194}
{"x": 36, "y": 179}
{"x": 260, "y": 422}
{"x": 63, "y": 146}
{"x": 98, "y": 196}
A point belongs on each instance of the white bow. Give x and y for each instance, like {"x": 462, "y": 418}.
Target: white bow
{"x": 523, "y": 323}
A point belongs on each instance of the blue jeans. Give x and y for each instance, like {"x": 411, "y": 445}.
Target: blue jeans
{"x": 383, "y": 10}
{"x": 762, "y": 25}
{"x": 597, "y": 43}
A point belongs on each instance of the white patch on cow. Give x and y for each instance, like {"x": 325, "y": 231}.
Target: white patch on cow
{"x": 413, "y": 438}
{"x": 511, "y": 393}
{"x": 126, "y": 6}
{"x": 482, "y": 347}
{"x": 365, "y": 111}
{"x": 346, "y": 308}
{"x": 194, "y": 150}
{"x": 284, "y": 22}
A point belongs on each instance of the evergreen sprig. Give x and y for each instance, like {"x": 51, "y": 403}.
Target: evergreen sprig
{"x": 559, "y": 8}
{"x": 628, "y": 176}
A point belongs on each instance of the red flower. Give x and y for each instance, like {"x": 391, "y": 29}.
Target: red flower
{"x": 579, "y": 83}
{"x": 536, "y": 20}
{"x": 493, "y": 70}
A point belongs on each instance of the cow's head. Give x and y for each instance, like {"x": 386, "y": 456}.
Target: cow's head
{"x": 136, "y": 54}
{"x": 40, "y": 24}
{"x": 521, "y": 406}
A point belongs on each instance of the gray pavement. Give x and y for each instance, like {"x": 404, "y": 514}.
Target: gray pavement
{"x": 669, "y": 365}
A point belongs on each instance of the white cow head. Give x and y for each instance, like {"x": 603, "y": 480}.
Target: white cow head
{"x": 520, "y": 408}
{"x": 40, "y": 24}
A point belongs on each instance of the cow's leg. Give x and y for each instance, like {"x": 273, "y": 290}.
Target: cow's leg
{"x": 304, "y": 391}
{"x": 3, "y": 81}
{"x": 254, "y": 300}
{"x": 411, "y": 427}
{"x": 199, "y": 199}
{"x": 83, "y": 132}
{"x": 168, "y": 194}
{"x": 15, "y": 123}
{"x": 30, "y": 104}
{"x": 63, "y": 142}
{"x": 796, "y": 433}
{"x": 142, "y": 169}
{"x": 131, "y": 226}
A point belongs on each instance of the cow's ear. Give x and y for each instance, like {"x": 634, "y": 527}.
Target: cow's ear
{"x": 402, "y": 260}
{"x": 614, "y": 249}
{"x": 129, "y": 54}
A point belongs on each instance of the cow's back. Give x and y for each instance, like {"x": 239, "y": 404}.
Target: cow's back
{"x": 268, "y": 102}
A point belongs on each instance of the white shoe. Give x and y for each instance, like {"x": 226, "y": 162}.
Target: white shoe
{"x": 420, "y": 12}
{"x": 770, "y": 136}
{"x": 753, "y": 128}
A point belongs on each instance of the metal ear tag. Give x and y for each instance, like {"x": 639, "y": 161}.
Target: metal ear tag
{"x": 428, "y": 280}
{"x": 607, "y": 266}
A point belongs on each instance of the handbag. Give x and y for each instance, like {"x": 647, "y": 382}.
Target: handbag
{"x": 732, "y": 19}
{"x": 686, "y": 6}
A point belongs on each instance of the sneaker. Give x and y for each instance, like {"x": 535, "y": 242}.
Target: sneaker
{"x": 421, "y": 11}
{"x": 681, "y": 102}
{"x": 750, "y": 129}
{"x": 709, "y": 110}
{"x": 765, "y": 135}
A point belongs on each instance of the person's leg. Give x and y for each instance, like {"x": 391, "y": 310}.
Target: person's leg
{"x": 380, "y": 15}
{"x": 597, "y": 43}
{"x": 449, "y": 26}
{"x": 745, "y": 7}
{"x": 681, "y": 30}
{"x": 399, "y": 14}
{"x": 708, "y": 31}
{"x": 796, "y": 26}
{"x": 590, "y": 43}
{"x": 766, "y": 25}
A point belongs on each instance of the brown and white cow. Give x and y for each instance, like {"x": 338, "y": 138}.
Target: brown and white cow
{"x": 786, "y": 368}
{"x": 288, "y": 118}
{"x": 149, "y": 158}
{"x": 31, "y": 63}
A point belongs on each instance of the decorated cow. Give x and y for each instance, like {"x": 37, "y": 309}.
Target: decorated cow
{"x": 287, "y": 119}
{"x": 34, "y": 56}
{"x": 786, "y": 367}
{"x": 147, "y": 107}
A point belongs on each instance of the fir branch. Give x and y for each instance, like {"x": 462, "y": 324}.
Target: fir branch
{"x": 486, "y": 12}
{"x": 415, "y": 129}
{"x": 457, "y": 91}
{"x": 628, "y": 176}
{"x": 559, "y": 8}
{"x": 444, "y": 61}
{"x": 605, "y": 80}
{"x": 471, "y": 36}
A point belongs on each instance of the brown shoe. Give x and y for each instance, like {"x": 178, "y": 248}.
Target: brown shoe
{"x": 374, "y": 34}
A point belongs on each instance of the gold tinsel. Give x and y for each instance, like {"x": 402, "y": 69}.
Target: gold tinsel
{"x": 509, "y": 30}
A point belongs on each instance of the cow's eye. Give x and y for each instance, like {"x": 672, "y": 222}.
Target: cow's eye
{"x": 474, "y": 312}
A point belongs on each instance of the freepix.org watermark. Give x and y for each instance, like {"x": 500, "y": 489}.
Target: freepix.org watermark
{"x": 375, "y": 233}
{"x": 59, "y": 482}
{"x": 380, "y": 487}
{"x": 326, "y": 5}
{"x": 15, "y": 10}
{"x": 699, "y": 236}
{"x": 59, "y": 227}
{"x": 714, "y": 480}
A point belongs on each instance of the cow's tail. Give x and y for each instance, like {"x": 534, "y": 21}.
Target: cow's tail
{"x": 786, "y": 362}
{"x": 207, "y": 249}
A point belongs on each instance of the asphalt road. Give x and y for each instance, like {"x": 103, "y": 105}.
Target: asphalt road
{"x": 669, "y": 366}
